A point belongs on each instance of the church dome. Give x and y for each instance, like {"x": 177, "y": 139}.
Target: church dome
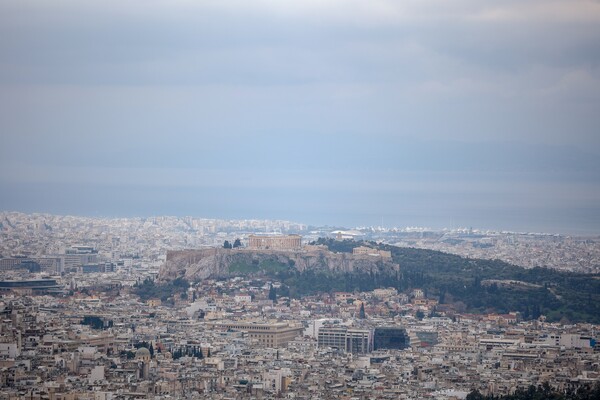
{"x": 142, "y": 352}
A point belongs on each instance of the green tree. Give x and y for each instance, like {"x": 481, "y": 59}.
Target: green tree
{"x": 237, "y": 243}
{"x": 475, "y": 395}
{"x": 93, "y": 321}
{"x": 227, "y": 245}
{"x": 273, "y": 294}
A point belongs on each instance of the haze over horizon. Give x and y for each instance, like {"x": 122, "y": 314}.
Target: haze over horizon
{"x": 348, "y": 113}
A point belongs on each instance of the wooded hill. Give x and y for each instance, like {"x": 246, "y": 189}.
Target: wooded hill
{"x": 485, "y": 285}
{"x": 468, "y": 285}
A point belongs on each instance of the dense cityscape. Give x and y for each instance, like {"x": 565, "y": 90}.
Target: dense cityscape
{"x": 44, "y": 235}
{"x": 338, "y": 199}
{"x": 84, "y": 317}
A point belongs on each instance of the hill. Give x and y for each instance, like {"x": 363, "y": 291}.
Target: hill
{"x": 199, "y": 264}
{"x": 493, "y": 285}
{"x": 469, "y": 285}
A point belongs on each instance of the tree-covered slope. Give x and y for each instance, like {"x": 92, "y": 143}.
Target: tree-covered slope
{"x": 482, "y": 285}
{"x": 467, "y": 285}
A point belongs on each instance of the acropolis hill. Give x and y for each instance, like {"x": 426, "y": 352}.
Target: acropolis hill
{"x": 220, "y": 262}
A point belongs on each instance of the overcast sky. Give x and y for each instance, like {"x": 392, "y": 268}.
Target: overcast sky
{"x": 436, "y": 113}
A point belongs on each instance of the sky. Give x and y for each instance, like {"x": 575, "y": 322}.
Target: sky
{"x": 482, "y": 114}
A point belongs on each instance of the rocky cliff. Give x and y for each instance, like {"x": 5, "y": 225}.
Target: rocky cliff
{"x": 200, "y": 264}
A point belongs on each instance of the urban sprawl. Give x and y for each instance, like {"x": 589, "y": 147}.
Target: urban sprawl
{"x": 73, "y": 327}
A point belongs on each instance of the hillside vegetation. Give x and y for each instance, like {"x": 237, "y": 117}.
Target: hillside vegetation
{"x": 453, "y": 279}
{"x": 468, "y": 285}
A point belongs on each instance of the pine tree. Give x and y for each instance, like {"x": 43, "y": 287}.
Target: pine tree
{"x": 273, "y": 294}
{"x": 361, "y": 313}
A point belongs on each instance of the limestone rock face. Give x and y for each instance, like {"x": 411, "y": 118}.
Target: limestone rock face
{"x": 201, "y": 264}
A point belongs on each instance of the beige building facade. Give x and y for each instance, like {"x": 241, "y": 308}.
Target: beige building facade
{"x": 273, "y": 335}
{"x": 367, "y": 251}
{"x": 275, "y": 242}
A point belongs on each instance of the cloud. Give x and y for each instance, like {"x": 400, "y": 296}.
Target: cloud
{"x": 258, "y": 42}
{"x": 131, "y": 91}
{"x": 579, "y": 85}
